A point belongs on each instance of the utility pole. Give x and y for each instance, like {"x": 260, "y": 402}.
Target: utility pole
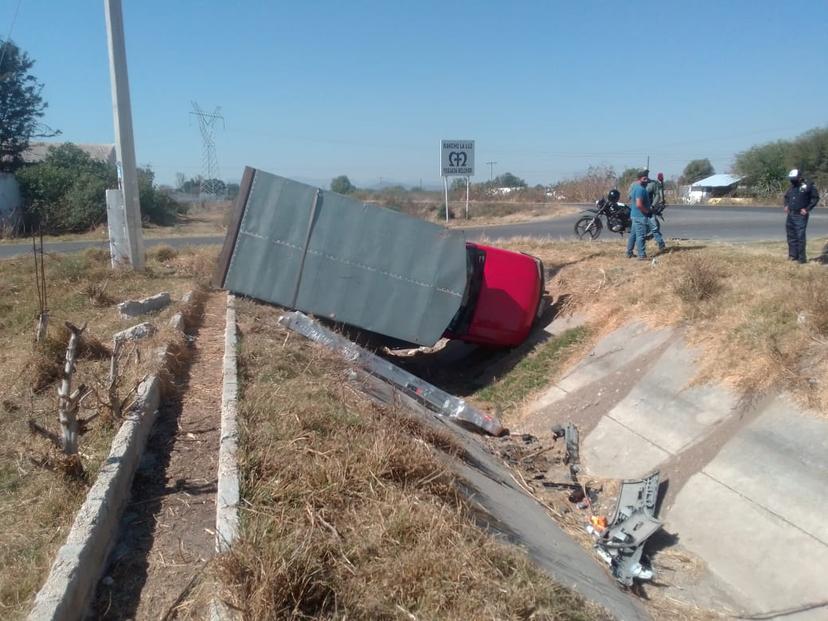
{"x": 648, "y": 162}
{"x": 491, "y": 166}
{"x": 124, "y": 141}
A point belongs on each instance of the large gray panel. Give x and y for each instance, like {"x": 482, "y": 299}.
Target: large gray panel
{"x": 366, "y": 266}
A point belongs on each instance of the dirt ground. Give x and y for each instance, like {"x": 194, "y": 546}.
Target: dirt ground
{"x": 167, "y": 532}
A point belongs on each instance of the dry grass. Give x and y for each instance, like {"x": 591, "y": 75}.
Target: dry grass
{"x": 347, "y": 512}
{"x": 532, "y": 373}
{"x": 699, "y": 279}
{"x": 762, "y": 321}
{"x": 163, "y": 253}
{"x": 36, "y": 504}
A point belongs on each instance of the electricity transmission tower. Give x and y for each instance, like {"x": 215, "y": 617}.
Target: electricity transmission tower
{"x": 211, "y": 184}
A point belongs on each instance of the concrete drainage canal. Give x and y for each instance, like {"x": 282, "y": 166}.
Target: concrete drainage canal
{"x": 729, "y": 525}
{"x": 167, "y": 532}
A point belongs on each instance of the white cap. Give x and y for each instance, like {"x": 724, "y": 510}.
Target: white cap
{"x": 793, "y": 174}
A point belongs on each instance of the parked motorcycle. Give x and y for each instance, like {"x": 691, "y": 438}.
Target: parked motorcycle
{"x": 616, "y": 214}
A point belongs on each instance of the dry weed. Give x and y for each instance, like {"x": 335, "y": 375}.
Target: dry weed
{"x": 698, "y": 279}
{"x": 760, "y": 321}
{"x": 39, "y": 504}
{"x": 349, "y": 513}
{"x": 96, "y": 292}
{"x": 163, "y": 253}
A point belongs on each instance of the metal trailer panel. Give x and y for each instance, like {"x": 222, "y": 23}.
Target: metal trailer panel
{"x": 335, "y": 257}
{"x": 438, "y": 400}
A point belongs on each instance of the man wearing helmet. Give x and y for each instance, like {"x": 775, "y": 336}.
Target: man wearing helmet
{"x": 800, "y": 199}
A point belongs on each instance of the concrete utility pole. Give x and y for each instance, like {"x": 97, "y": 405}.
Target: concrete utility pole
{"x": 124, "y": 142}
{"x": 491, "y": 166}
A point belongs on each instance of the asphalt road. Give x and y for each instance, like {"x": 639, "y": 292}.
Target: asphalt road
{"x": 12, "y": 250}
{"x": 731, "y": 224}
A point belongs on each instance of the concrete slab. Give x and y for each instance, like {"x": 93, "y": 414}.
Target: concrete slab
{"x": 780, "y": 461}
{"x": 560, "y": 324}
{"x": 666, "y": 410}
{"x": 133, "y": 308}
{"x": 770, "y": 566}
{"x": 614, "y": 451}
{"x": 613, "y": 352}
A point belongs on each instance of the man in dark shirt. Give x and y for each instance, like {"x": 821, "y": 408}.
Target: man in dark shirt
{"x": 800, "y": 199}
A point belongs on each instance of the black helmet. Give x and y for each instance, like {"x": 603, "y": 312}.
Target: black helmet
{"x": 614, "y": 195}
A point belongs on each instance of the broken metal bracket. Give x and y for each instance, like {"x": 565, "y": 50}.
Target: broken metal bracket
{"x": 438, "y": 400}
{"x": 621, "y": 545}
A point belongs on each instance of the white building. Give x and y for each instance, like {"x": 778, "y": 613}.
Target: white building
{"x": 715, "y": 185}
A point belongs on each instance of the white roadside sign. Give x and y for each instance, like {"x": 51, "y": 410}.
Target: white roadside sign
{"x": 457, "y": 158}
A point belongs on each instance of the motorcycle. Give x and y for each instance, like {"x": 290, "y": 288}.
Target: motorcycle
{"x": 616, "y": 214}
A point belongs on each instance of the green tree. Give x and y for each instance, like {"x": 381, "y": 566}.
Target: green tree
{"x": 157, "y": 206}
{"x": 625, "y": 181}
{"x": 233, "y": 190}
{"x": 765, "y": 166}
{"x": 342, "y": 185}
{"x": 695, "y": 170}
{"x": 66, "y": 192}
{"x": 213, "y": 186}
{"x": 21, "y": 105}
{"x": 810, "y": 153}
{"x": 508, "y": 180}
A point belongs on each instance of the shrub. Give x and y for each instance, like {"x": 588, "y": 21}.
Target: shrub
{"x": 698, "y": 281}
{"x": 163, "y": 253}
{"x": 157, "y": 206}
{"x": 66, "y": 193}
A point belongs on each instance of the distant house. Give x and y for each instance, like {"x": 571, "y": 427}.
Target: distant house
{"x": 503, "y": 191}
{"x": 712, "y": 186}
{"x": 37, "y": 151}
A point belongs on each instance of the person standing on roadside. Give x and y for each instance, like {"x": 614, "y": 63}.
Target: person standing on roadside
{"x": 800, "y": 199}
{"x": 631, "y": 239}
{"x": 655, "y": 189}
{"x": 639, "y": 214}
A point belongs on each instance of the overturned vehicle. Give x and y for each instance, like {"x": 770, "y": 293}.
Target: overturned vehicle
{"x": 379, "y": 270}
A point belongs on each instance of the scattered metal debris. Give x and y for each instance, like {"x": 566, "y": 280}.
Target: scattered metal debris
{"x": 437, "y": 400}
{"x": 573, "y": 457}
{"x": 621, "y": 543}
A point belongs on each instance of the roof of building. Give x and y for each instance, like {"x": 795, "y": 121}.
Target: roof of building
{"x": 717, "y": 181}
{"x": 37, "y": 151}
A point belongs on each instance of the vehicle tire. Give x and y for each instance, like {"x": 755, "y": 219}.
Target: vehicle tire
{"x": 588, "y": 227}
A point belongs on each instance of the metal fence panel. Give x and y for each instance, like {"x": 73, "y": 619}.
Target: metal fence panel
{"x": 335, "y": 257}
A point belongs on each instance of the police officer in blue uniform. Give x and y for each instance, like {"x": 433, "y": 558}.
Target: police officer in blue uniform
{"x": 800, "y": 199}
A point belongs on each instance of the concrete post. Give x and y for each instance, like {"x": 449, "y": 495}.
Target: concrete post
{"x": 124, "y": 143}
{"x": 118, "y": 246}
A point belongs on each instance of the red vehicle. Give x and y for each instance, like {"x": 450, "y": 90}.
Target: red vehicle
{"x": 503, "y": 297}
{"x": 375, "y": 269}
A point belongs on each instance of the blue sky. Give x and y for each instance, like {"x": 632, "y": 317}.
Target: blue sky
{"x": 311, "y": 90}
